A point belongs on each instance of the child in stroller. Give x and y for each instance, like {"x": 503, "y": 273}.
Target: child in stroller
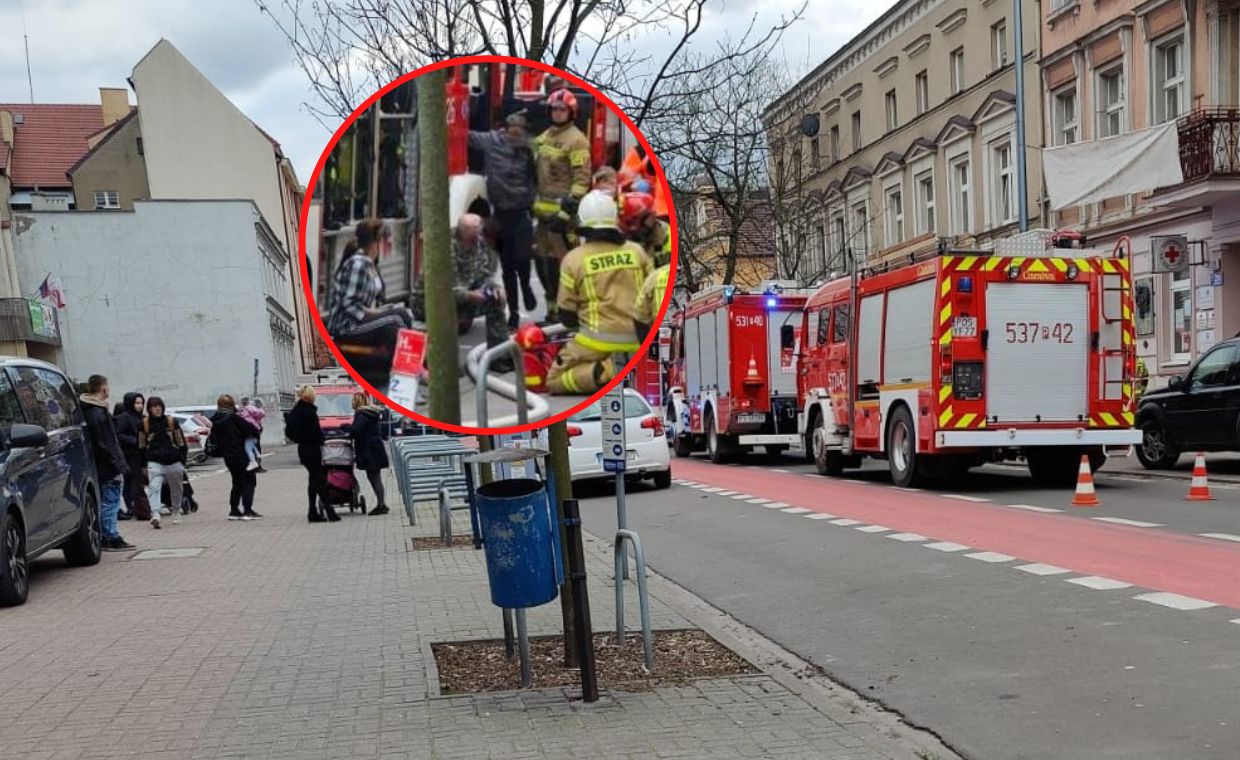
{"x": 342, "y": 486}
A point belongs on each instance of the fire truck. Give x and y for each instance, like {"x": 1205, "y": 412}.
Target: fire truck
{"x": 1026, "y": 351}
{"x": 731, "y": 383}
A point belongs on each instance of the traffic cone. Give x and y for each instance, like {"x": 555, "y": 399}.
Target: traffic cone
{"x": 1200, "y": 489}
{"x": 751, "y": 375}
{"x": 1085, "y": 496}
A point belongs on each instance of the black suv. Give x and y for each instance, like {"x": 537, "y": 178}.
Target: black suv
{"x": 49, "y": 495}
{"x": 1197, "y": 411}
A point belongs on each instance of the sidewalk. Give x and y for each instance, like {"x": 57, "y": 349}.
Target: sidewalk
{"x": 282, "y": 639}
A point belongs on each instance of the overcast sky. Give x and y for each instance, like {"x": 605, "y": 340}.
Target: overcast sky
{"x": 77, "y": 46}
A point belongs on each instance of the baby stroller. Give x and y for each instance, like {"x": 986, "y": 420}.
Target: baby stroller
{"x": 342, "y": 485}
{"x": 188, "y": 503}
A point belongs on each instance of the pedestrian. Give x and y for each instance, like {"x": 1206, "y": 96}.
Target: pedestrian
{"x": 605, "y": 180}
{"x": 369, "y": 451}
{"x": 164, "y": 449}
{"x": 562, "y": 161}
{"x": 126, "y": 509}
{"x": 252, "y": 412}
{"x": 301, "y": 426}
{"x": 508, "y": 165}
{"x": 128, "y": 423}
{"x": 110, "y": 464}
{"x": 229, "y": 432}
{"x": 598, "y": 297}
{"x": 357, "y": 312}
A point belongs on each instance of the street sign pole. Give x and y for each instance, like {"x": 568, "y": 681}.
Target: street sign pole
{"x": 615, "y": 452}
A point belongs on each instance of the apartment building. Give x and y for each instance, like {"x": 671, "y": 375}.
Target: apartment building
{"x": 905, "y": 135}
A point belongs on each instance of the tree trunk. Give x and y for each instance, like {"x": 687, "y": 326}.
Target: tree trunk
{"x": 557, "y": 462}
{"x": 443, "y": 354}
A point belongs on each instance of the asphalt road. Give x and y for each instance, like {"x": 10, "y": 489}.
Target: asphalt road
{"x": 1012, "y": 632}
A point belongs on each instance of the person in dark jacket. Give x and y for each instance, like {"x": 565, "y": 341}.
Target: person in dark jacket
{"x": 228, "y": 433}
{"x": 126, "y": 509}
{"x": 301, "y": 426}
{"x": 110, "y": 462}
{"x": 128, "y": 424}
{"x": 164, "y": 449}
{"x": 369, "y": 451}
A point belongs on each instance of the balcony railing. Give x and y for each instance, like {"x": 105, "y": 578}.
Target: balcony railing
{"x": 1210, "y": 143}
{"x": 21, "y": 319}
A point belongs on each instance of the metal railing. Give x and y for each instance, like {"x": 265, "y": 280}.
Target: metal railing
{"x": 1210, "y": 143}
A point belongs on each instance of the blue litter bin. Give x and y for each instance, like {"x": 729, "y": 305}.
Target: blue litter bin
{"x": 518, "y": 536}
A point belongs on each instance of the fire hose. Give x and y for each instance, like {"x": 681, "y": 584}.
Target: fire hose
{"x": 538, "y": 408}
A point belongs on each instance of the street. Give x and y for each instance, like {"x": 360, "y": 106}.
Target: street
{"x": 1009, "y": 623}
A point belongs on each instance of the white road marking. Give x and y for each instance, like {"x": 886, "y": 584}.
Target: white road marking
{"x": 858, "y": 482}
{"x": 1221, "y": 537}
{"x": 1032, "y": 508}
{"x": 908, "y": 490}
{"x": 1098, "y": 583}
{"x": 1236, "y": 621}
{"x": 990, "y": 557}
{"x": 781, "y": 471}
{"x": 1126, "y": 521}
{"x": 872, "y": 529}
{"x": 907, "y": 537}
{"x": 1037, "y": 568}
{"x": 727, "y": 493}
{"x": 819, "y": 516}
{"x": 844, "y": 521}
{"x": 962, "y": 497}
{"x": 946, "y": 546}
{"x": 741, "y": 496}
{"x": 712, "y": 489}
{"x": 758, "y": 500}
{"x": 699, "y": 486}
{"x": 795, "y": 510}
{"x": 775, "y": 505}
{"x": 1175, "y": 601}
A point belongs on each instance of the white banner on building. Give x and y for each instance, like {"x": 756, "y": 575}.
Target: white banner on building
{"x": 1137, "y": 162}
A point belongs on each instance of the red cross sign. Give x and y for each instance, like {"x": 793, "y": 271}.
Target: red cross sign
{"x": 1170, "y": 253}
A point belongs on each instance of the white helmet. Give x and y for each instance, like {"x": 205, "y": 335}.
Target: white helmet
{"x": 598, "y": 211}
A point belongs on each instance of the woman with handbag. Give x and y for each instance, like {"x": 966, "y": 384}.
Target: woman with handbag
{"x": 301, "y": 426}
{"x": 369, "y": 451}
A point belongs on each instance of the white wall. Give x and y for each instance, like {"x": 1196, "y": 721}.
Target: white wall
{"x": 166, "y": 300}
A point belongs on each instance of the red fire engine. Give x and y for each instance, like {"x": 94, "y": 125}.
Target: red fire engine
{"x": 972, "y": 356}
{"x": 731, "y": 383}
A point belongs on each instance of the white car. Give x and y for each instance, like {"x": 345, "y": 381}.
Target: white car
{"x": 647, "y": 446}
{"x": 195, "y": 428}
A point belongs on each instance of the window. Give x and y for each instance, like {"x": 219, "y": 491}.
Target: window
{"x": 840, "y": 333}
{"x": 1181, "y": 314}
{"x": 856, "y": 131}
{"x": 107, "y": 199}
{"x": 861, "y": 231}
{"x": 895, "y": 216}
{"x": 46, "y": 398}
{"x": 1003, "y": 187}
{"x": 957, "y": 70}
{"x": 815, "y": 157}
{"x": 820, "y": 248}
{"x": 961, "y": 195}
{"x": 1064, "y": 114}
{"x": 925, "y": 202}
{"x": 824, "y": 320}
{"x": 1213, "y": 369}
{"x": 889, "y": 102}
{"x": 998, "y": 44}
{"x": 10, "y": 407}
{"x": 835, "y": 142}
{"x": 1168, "y": 80}
{"x": 840, "y": 235}
{"x": 1111, "y": 105}
{"x": 921, "y": 84}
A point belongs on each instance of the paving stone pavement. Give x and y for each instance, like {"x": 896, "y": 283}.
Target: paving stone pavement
{"x": 284, "y": 639}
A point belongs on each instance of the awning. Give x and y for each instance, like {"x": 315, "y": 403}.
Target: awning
{"x": 1136, "y": 162}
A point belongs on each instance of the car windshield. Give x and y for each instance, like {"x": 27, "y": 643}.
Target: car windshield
{"x": 334, "y": 404}
{"x": 634, "y": 406}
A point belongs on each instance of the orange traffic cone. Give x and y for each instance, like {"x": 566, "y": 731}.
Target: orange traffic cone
{"x": 1085, "y": 496}
{"x": 1200, "y": 489}
{"x": 751, "y": 374}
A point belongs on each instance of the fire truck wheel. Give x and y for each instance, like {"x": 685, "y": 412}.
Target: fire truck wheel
{"x": 717, "y": 445}
{"x": 1156, "y": 451}
{"x": 682, "y": 442}
{"x": 902, "y": 459}
{"x": 829, "y": 463}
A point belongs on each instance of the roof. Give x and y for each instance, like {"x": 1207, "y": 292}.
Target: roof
{"x": 49, "y": 141}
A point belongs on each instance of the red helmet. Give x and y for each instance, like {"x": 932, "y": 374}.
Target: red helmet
{"x": 530, "y": 335}
{"x": 634, "y": 208}
{"x": 565, "y": 98}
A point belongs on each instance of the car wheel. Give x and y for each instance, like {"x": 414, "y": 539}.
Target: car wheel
{"x": 663, "y": 479}
{"x": 14, "y": 570}
{"x": 902, "y": 457}
{"x": 826, "y": 462}
{"x": 85, "y": 547}
{"x": 1156, "y": 451}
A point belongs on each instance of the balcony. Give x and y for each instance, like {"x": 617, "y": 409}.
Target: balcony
{"x": 24, "y": 320}
{"x": 1209, "y": 158}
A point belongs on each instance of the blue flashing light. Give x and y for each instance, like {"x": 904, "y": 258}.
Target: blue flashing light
{"x": 771, "y": 301}
{"x": 964, "y": 285}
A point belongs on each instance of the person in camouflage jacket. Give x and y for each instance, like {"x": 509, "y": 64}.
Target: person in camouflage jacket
{"x": 474, "y": 266}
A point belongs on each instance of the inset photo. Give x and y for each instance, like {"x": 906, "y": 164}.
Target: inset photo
{"x": 488, "y": 243}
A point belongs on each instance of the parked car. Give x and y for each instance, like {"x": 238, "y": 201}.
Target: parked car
{"x": 1197, "y": 411}
{"x": 647, "y": 452}
{"x": 50, "y": 497}
{"x": 195, "y": 428}
{"x": 335, "y": 405}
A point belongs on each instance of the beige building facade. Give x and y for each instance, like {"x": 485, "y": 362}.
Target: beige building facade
{"x": 915, "y": 140}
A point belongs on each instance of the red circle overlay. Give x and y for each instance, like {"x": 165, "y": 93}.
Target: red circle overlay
{"x": 305, "y": 216}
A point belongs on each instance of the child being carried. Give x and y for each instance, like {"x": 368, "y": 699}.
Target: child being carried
{"x": 252, "y": 412}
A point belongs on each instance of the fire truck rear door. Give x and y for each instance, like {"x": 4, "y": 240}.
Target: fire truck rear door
{"x": 1037, "y": 357}
{"x": 781, "y": 364}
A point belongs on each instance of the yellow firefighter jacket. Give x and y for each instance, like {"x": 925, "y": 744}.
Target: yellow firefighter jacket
{"x": 650, "y": 297}
{"x": 600, "y": 281}
{"x": 562, "y": 160}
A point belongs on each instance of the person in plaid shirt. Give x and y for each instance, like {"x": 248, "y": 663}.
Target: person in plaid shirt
{"x": 357, "y": 313}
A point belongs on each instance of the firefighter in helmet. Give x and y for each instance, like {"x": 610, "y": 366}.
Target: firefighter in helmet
{"x": 562, "y": 163}
{"x": 599, "y": 283}
{"x": 639, "y": 224}
{"x": 649, "y": 299}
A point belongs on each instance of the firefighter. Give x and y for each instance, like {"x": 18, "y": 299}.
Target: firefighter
{"x": 649, "y": 299}
{"x": 638, "y": 223}
{"x": 562, "y": 161}
{"x": 637, "y": 168}
{"x": 599, "y": 283}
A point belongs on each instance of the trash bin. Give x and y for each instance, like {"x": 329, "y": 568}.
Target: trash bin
{"x": 518, "y": 536}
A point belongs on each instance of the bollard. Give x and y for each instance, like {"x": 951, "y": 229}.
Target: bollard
{"x": 643, "y": 600}
{"x": 581, "y": 601}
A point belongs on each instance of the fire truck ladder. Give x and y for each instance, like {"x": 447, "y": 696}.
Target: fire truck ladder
{"x": 1116, "y": 294}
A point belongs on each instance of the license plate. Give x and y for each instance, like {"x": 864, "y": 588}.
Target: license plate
{"x": 759, "y": 418}
{"x": 964, "y": 327}
{"x": 632, "y": 456}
